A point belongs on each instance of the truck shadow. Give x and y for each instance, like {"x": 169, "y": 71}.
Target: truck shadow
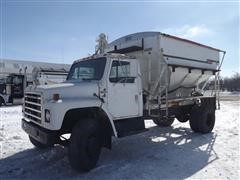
{"x": 171, "y": 153}
{"x": 168, "y": 153}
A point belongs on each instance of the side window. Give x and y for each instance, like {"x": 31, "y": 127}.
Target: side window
{"x": 17, "y": 80}
{"x": 120, "y": 72}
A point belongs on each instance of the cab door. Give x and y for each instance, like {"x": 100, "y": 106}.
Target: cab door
{"x": 124, "y": 96}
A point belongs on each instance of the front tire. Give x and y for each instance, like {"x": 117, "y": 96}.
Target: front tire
{"x": 85, "y": 145}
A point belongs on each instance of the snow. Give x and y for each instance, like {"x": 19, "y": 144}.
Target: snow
{"x": 167, "y": 153}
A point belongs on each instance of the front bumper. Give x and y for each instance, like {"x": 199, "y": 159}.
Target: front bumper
{"x": 40, "y": 134}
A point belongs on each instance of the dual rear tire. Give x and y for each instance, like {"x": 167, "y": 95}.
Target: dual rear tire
{"x": 163, "y": 122}
{"x": 202, "y": 120}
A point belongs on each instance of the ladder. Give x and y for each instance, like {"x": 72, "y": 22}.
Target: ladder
{"x": 217, "y": 89}
{"x": 160, "y": 90}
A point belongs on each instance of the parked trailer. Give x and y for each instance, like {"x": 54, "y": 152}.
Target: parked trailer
{"x": 44, "y": 76}
{"x": 142, "y": 75}
{"x": 10, "y": 66}
{"x": 13, "y": 85}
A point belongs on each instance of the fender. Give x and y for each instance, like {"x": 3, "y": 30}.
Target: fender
{"x": 111, "y": 120}
{"x": 60, "y": 108}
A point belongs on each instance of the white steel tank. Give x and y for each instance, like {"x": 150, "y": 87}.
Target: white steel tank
{"x": 169, "y": 62}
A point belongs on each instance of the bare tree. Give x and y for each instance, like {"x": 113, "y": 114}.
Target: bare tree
{"x": 232, "y": 83}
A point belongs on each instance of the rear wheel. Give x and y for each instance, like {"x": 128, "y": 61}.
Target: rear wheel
{"x": 183, "y": 114}
{"x": 183, "y": 118}
{"x": 195, "y": 118}
{"x": 39, "y": 144}
{"x": 85, "y": 145}
{"x": 208, "y": 121}
{"x": 202, "y": 120}
{"x": 163, "y": 122}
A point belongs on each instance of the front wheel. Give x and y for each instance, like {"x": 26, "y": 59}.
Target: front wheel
{"x": 85, "y": 145}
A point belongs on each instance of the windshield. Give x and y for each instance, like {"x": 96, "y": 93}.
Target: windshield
{"x": 9, "y": 80}
{"x": 87, "y": 70}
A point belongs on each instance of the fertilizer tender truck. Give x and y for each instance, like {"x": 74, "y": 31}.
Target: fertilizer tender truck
{"x": 148, "y": 75}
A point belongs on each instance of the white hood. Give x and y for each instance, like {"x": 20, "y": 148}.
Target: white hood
{"x": 67, "y": 89}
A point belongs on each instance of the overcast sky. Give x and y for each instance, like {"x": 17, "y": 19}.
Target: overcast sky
{"x": 63, "y": 32}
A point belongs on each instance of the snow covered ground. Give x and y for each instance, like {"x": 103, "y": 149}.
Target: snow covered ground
{"x": 160, "y": 153}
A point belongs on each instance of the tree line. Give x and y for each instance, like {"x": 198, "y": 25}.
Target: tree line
{"x": 232, "y": 83}
{"x": 227, "y": 83}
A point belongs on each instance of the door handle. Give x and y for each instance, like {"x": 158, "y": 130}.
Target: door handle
{"x": 101, "y": 99}
{"x": 103, "y": 92}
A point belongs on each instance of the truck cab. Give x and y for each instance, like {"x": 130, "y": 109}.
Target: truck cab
{"x": 107, "y": 82}
{"x": 105, "y": 89}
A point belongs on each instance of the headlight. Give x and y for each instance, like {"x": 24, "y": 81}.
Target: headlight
{"x": 47, "y": 115}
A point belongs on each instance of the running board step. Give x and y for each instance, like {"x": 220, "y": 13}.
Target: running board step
{"x": 124, "y": 134}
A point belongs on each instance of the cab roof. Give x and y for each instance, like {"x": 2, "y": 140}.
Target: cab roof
{"x": 107, "y": 55}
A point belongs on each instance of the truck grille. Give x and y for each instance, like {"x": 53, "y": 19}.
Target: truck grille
{"x": 32, "y": 107}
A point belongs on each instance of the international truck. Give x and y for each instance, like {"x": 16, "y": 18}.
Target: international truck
{"x": 147, "y": 75}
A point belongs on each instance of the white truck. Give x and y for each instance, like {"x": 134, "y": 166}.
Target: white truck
{"x": 148, "y": 75}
